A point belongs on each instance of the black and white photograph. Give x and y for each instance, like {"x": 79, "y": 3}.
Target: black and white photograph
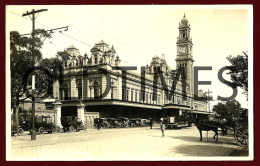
{"x": 129, "y": 83}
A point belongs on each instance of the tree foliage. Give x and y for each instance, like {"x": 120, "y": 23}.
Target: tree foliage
{"x": 22, "y": 49}
{"x": 238, "y": 71}
{"x": 229, "y": 110}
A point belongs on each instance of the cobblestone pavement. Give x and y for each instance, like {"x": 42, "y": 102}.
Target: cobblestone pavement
{"x": 133, "y": 142}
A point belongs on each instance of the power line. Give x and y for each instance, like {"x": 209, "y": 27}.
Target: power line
{"x": 114, "y": 38}
{"x": 61, "y": 33}
{"x": 95, "y": 36}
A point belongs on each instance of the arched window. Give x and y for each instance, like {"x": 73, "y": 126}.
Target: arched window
{"x": 96, "y": 59}
{"x": 96, "y": 90}
{"x": 65, "y": 92}
{"x": 79, "y": 86}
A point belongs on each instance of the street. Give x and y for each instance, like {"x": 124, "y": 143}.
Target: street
{"x": 121, "y": 142}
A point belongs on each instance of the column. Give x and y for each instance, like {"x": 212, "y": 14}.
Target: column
{"x": 73, "y": 88}
{"x": 56, "y": 89}
{"x": 119, "y": 88}
{"x": 57, "y": 105}
{"x": 80, "y": 110}
{"x": 137, "y": 94}
{"x": 85, "y": 87}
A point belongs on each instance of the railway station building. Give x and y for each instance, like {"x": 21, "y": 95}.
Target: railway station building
{"x": 99, "y": 86}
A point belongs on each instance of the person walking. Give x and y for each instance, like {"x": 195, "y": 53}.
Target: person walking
{"x": 162, "y": 128}
{"x": 151, "y": 123}
{"x": 98, "y": 124}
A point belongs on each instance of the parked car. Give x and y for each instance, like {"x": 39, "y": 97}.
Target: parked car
{"x": 44, "y": 124}
{"x": 113, "y": 123}
{"x": 16, "y": 129}
{"x": 123, "y": 121}
{"x": 103, "y": 122}
{"x": 71, "y": 123}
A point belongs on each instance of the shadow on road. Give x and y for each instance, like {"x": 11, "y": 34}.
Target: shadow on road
{"x": 221, "y": 140}
{"x": 203, "y": 150}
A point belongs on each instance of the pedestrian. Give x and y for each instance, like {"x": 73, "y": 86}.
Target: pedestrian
{"x": 151, "y": 123}
{"x": 98, "y": 124}
{"x": 162, "y": 128}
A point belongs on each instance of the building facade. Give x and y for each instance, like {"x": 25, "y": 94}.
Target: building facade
{"x": 98, "y": 84}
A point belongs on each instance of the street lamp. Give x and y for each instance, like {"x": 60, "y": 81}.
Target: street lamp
{"x": 196, "y": 108}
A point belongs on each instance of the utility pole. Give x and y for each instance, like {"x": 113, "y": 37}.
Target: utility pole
{"x": 33, "y": 133}
{"x": 208, "y": 92}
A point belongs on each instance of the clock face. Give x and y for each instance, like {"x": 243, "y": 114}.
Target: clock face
{"x": 182, "y": 49}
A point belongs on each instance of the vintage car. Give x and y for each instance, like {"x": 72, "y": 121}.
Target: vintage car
{"x": 145, "y": 122}
{"x": 113, "y": 123}
{"x": 71, "y": 123}
{"x": 123, "y": 121}
{"x": 44, "y": 124}
{"x": 16, "y": 129}
{"x": 135, "y": 122}
{"x": 102, "y": 122}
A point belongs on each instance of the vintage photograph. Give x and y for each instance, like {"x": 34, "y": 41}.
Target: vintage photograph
{"x": 129, "y": 82}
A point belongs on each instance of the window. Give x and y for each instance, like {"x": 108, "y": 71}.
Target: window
{"x": 96, "y": 90}
{"x": 150, "y": 99}
{"x": 140, "y": 96}
{"x": 143, "y": 96}
{"x": 112, "y": 91}
{"x": 159, "y": 99}
{"x": 65, "y": 64}
{"x": 95, "y": 60}
{"x": 135, "y": 96}
{"x": 79, "y": 91}
{"x": 123, "y": 94}
{"x": 132, "y": 95}
{"x": 146, "y": 98}
{"x": 127, "y": 95}
{"x": 65, "y": 95}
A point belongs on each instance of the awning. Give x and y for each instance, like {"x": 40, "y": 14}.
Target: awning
{"x": 177, "y": 107}
{"x": 201, "y": 112}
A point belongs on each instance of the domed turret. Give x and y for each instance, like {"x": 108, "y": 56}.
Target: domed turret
{"x": 184, "y": 22}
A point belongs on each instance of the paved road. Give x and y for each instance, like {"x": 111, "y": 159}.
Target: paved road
{"x": 134, "y": 142}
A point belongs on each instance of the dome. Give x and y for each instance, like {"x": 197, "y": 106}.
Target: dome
{"x": 184, "y": 21}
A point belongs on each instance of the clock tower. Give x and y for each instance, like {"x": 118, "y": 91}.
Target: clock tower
{"x": 184, "y": 53}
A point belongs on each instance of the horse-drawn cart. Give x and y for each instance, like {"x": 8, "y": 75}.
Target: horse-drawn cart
{"x": 238, "y": 126}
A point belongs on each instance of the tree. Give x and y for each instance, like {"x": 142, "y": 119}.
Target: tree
{"x": 229, "y": 110}
{"x": 238, "y": 71}
{"x": 22, "y": 49}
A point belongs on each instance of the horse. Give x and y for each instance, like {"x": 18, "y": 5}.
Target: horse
{"x": 203, "y": 126}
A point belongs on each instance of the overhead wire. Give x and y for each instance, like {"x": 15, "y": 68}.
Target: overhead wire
{"x": 60, "y": 17}
{"x": 119, "y": 41}
{"x": 72, "y": 37}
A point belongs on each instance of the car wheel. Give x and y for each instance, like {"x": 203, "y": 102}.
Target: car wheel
{"x": 85, "y": 128}
{"x": 58, "y": 130}
{"x": 41, "y": 130}
{"x": 20, "y": 131}
{"x": 71, "y": 129}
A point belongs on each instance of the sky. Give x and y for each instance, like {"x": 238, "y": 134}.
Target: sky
{"x": 138, "y": 33}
